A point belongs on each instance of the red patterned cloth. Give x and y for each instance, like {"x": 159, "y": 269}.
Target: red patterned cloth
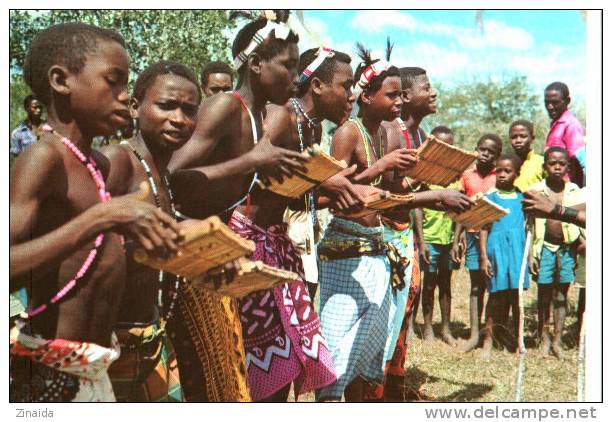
{"x": 60, "y": 370}
{"x": 281, "y": 330}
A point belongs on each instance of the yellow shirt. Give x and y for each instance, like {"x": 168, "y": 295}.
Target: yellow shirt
{"x": 532, "y": 171}
{"x": 437, "y": 226}
{"x": 572, "y": 195}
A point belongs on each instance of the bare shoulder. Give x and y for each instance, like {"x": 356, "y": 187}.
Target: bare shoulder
{"x": 279, "y": 125}
{"x": 393, "y": 136}
{"x": 219, "y": 106}
{"x": 347, "y": 132}
{"x": 37, "y": 166}
{"x": 117, "y": 166}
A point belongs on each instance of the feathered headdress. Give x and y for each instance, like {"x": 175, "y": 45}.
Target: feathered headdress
{"x": 276, "y": 21}
{"x": 372, "y": 67}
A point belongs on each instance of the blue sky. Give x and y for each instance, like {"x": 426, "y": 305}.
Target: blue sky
{"x": 543, "y": 45}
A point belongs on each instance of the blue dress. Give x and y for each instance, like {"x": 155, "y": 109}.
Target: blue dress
{"x": 506, "y": 243}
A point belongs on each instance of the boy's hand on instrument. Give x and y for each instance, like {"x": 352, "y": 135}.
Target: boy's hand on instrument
{"x": 424, "y": 253}
{"x": 345, "y": 195}
{"x": 223, "y": 274}
{"x": 276, "y": 162}
{"x": 453, "y": 200}
{"x": 399, "y": 159}
{"x": 155, "y": 230}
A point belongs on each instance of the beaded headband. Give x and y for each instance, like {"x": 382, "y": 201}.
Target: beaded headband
{"x": 281, "y": 31}
{"x": 372, "y": 70}
{"x": 322, "y": 54}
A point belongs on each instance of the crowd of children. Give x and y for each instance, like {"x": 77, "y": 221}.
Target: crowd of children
{"x": 98, "y": 326}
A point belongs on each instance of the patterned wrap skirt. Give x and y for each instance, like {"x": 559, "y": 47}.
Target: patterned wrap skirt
{"x": 281, "y": 330}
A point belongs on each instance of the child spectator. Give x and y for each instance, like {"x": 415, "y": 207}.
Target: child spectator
{"x": 480, "y": 179}
{"x": 501, "y": 249}
{"x": 532, "y": 170}
{"x": 435, "y": 252}
{"x": 554, "y": 250}
{"x": 565, "y": 130}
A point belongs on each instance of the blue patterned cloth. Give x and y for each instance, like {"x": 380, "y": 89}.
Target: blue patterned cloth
{"x": 403, "y": 241}
{"x": 357, "y": 307}
{"x": 506, "y": 243}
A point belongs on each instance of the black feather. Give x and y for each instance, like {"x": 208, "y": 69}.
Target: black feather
{"x": 389, "y": 48}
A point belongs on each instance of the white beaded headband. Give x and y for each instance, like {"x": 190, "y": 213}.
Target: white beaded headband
{"x": 372, "y": 70}
{"x": 281, "y": 31}
{"x": 322, "y": 54}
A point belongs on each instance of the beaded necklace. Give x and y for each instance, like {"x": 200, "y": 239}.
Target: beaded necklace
{"x": 155, "y": 190}
{"x": 309, "y": 197}
{"x": 96, "y": 175}
{"x": 404, "y": 130}
{"x": 367, "y": 140}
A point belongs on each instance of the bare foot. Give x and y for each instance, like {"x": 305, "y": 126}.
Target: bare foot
{"x": 470, "y": 344}
{"x": 544, "y": 347}
{"x": 487, "y": 346}
{"x": 448, "y": 338}
{"x": 428, "y": 334}
{"x": 557, "y": 351}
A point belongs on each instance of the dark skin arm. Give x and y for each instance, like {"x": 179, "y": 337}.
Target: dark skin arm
{"x": 127, "y": 214}
{"x": 538, "y": 205}
{"x": 458, "y": 243}
{"x": 212, "y": 128}
{"x": 418, "y": 234}
{"x": 485, "y": 264}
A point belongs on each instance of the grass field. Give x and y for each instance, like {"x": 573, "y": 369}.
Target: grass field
{"x": 442, "y": 373}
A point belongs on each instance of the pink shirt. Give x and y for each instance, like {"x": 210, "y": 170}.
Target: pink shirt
{"x": 472, "y": 182}
{"x": 566, "y": 132}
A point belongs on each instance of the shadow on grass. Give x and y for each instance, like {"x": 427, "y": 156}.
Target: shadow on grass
{"x": 468, "y": 391}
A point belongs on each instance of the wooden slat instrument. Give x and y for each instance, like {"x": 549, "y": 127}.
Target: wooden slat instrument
{"x": 320, "y": 167}
{"x": 210, "y": 244}
{"x": 440, "y": 163}
{"x": 251, "y": 276}
{"x": 483, "y": 212}
{"x": 379, "y": 201}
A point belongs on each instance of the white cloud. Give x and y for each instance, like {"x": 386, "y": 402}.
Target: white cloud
{"x": 438, "y": 61}
{"x": 377, "y": 20}
{"x": 495, "y": 34}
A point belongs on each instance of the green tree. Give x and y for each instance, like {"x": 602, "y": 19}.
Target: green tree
{"x": 192, "y": 37}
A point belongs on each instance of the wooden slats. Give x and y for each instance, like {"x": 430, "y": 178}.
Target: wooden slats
{"x": 320, "y": 167}
{"x": 251, "y": 277}
{"x": 379, "y": 201}
{"x": 206, "y": 245}
{"x": 440, "y": 163}
{"x": 479, "y": 215}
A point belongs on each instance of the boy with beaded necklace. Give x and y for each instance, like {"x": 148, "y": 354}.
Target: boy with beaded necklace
{"x": 164, "y": 105}
{"x": 64, "y": 224}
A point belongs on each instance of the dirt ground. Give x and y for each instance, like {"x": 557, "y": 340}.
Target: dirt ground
{"x": 442, "y": 373}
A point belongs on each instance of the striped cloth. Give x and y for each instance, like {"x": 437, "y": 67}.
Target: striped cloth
{"x": 357, "y": 305}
